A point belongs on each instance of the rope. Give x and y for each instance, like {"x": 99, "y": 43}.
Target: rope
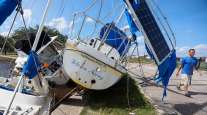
{"x": 12, "y": 25}
{"x": 166, "y": 20}
{"x": 98, "y": 17}
{"x": 127, "y": 91}
{"x": 162, "y": 25}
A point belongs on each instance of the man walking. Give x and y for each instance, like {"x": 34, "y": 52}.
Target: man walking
{"x": 188, "y": 64}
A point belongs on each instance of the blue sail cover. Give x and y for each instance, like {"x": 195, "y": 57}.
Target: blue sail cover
{"x": 6, "y": 8}
{"x": 32, "y": 66}
{"x": 132, "y": 25}
{"x": 167, "y": 67}
{"x": 116, "y": 38}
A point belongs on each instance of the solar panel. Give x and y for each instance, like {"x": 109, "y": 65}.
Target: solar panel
{"x": 152, "y": 30}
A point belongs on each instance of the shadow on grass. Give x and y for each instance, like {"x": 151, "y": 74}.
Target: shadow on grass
{"x": 115, "y": 99}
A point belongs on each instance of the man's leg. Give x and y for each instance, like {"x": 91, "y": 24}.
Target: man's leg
{"x": 190, "y": 79}
{"x": 180, "y": 84}
{"x": 185, "y": 82}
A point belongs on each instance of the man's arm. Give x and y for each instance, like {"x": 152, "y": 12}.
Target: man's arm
{"x": 179, "y": 68}
{"x": 197, "y": 66}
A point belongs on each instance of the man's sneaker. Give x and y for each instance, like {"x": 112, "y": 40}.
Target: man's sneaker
{"x": 187, "y": 94}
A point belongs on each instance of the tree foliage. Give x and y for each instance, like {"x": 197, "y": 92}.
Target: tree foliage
{"x": 9, "y": 46}
{"x": 21, "y": 33}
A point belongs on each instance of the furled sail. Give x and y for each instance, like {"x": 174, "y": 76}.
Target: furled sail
{"x": 115, "y": 38}
{"x": 6, "y": 8}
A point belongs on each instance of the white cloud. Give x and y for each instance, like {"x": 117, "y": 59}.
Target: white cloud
{"x": 59, "y": 23}
{"x": 201, "y": 47}
{"x": 4, "y": 33}
{"x": 88, "y": 19}
{"x": 28, "y": 15}
{"x": 201, "y": 50}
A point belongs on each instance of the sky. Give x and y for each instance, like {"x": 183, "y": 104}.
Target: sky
{"x": 188, "y": 19}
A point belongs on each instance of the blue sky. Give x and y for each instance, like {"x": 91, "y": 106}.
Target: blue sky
{"x": 188, "y": 19}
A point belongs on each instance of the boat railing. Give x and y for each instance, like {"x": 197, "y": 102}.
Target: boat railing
{"x": 81, "y": 28}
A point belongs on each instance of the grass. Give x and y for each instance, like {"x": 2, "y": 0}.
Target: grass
{"x": 114, "y": 101}
{"x": 203, "y": 66}
{"x": 140, "y": 60}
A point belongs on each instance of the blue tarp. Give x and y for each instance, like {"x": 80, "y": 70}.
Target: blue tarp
{"x": 135, "y": 5}
{"x": 166, "y": 70}
{"x": 32, "y": 66}
{"x": 116, "y": 38}
{"x": 6, "y": 8}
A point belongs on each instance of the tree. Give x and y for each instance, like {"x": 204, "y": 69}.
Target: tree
{"x": 9, "y": 46}
{"x": 21, "y": 33}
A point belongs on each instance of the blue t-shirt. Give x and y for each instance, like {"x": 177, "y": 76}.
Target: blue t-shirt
{"x": 188, "y": 63}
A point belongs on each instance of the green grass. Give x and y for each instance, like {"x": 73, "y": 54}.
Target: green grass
{"x": 203, "y": 66}
{"x": 141, "y": 60}
{"x": 114, "y": 101}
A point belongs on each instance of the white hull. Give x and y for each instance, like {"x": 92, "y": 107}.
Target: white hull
{"x": 90, "y": 68}
{"x": 23, "y": 103}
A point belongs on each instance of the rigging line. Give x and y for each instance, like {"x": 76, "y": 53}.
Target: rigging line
{"x": 137, "y": 75}
{"x": 24, "y": 22}
{"x": 84, "y": 19}
{"x": 17, "y": 11}
{"x": 98, "y": 21}
{"x": 166, "y": 20}
{"x": 98, "y": 17}
{"x": 120, "y": 17}
{"x": 127, "y": 89}
{"x": 72, "y": 27}
{"x": 89, "y": 7}
{"x": 162, "y": 25}
{"x": 109, "y": 14}
{"x": 139, "y": 60}
{"x": 61, "y": 9}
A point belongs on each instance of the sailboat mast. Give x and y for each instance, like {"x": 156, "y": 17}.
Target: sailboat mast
{"x": 41, "y": 26}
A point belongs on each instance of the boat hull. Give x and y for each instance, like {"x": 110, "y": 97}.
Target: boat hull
{"x": 90, "y": 68}
{"x": 35, "y": 105}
